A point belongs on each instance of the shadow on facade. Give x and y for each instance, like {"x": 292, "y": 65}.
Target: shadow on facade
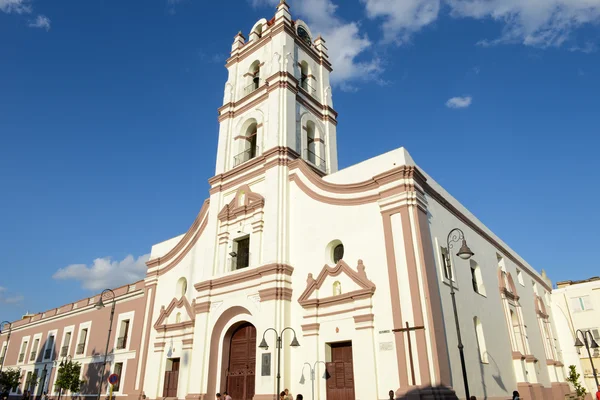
{"x": 93, "y": 375}
{"x": 429, "y": 393}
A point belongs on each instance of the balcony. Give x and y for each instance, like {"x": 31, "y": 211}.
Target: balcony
{"x": 306, "y": 86}
{"x": 33, "y": 356}
{"x": 21, "y": 357}
{"x": 245, "y": 156}
{"x": 47, "y": 354}
{"x": 121, "y": 342}
{"x": 314, "y": 159}
{"x": 80, "y": 348}
{"x": 64, "y": 350}
{"x": 252, "y": 87}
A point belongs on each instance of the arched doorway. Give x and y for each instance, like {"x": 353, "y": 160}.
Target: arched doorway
{"x": 241, "y": 362}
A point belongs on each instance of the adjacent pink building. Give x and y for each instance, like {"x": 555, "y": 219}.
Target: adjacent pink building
{"x": 38, "y": 343}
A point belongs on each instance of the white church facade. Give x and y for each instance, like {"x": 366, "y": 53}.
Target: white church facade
{"x": 352, "y": 265}
{"x": 351, "y": 260}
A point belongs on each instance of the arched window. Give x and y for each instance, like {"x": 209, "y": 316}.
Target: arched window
{"x": 477, "y": 278}
{"x": 253, "y": 77}
{"x": 178, "y": 318}
{"x": 181, "y": 288}
{"x": 483, "y": 355}
{"x": 248, "y": 146}
{"x": 304, "y": 72}
{"x": 311, "y": 154}
{"x": 338, "y": 253}
{"x": 337, "y": 288}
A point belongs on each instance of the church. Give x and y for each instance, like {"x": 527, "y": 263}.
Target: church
{"x": 336, "y": 284}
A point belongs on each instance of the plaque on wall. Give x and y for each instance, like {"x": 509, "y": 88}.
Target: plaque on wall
{"x": 266, "y": 364}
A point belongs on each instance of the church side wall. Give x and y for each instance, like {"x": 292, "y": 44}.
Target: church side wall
{"x": 496, "y": 377}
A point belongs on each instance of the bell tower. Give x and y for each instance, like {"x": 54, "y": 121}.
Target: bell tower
{"x": 278, "y": 95}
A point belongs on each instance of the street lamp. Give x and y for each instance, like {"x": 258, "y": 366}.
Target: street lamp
{"x": 263, "y": 345}
{"x": 455, "y": 236}
{"x": 100, "y": 306}
{"x": 65, "y": 361}
{"x": 591, "y": 344}
{"x": 7, "y": 340}
{"x": 312, "y": 375}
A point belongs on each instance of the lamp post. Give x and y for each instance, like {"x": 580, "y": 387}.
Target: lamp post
{"x": 455, "y": 236}
{"x": 312, "y": 375}
{"x": 279, "y": 344}
{"x": 591, "y": 344}
{"x": 99, "y": 306}
{"x": 7, "y": 341}
{"x": 65, "y": 361}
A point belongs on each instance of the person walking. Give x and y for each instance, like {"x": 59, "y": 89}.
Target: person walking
{"x": 391, "y": 394}
{"x": 282, "y": 396}
{"x": 227, "y": 396}
{"x": 299, "y": 397}
{"x": 516, "y": 396}
{"x": 218, "y": 396}
{"x": 598, "y": 393}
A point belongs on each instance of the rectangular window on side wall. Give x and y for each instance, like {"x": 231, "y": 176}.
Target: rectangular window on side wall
{"x": 49, "y": 348}
{"x": 34, "y": 350}
{"x": 123, "y": 335}
{"x": 583, "y": 303}
{"x": 445, "y": 265}
{"x": 118, "y": 371}
{"x": 520, "y": 277}
{"x": 64, "y": 351}
{"x": 82, "y": 340}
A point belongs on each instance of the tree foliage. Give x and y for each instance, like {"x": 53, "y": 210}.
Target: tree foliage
{"x": 32, "y": 381}
{"x": 10, "y": 378}
{"x": 573, "y": 379}
{"x": 68, "y": 377}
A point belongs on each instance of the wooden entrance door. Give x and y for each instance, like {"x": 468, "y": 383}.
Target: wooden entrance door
{"x": 171, "y": 379}
{"x": 242, "y": 360}
{"x": 340, "y": 380}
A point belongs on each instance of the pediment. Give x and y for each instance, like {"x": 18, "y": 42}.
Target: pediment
{"x": 167, "y": 316}
{"x": 324, "y": 289}
{"x": 244, "y": 202}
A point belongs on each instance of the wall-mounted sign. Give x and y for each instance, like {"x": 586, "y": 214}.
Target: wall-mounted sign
{"x": 266, "y": 364}
{"x": 382, "y": 332}
{"x": 386, "y": 346}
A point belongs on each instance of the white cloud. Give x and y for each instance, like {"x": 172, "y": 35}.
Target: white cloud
{"x": 344, "y": 40}
{"x": 402, "y": 18}
{"x": 41, "y": 21}
{"x": 539, "y": 23}
{"x": 9, "y": 298}
{"x": 459, "y": 102}
{"x": 15, "y": 6}
{"x": 105, "y": 273}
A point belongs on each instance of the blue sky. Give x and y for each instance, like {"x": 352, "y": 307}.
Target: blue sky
{"x": 109, "y": 130}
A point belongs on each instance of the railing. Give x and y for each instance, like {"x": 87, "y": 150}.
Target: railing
{"x": 47, "y": 354}
{"x": 33, "y": 356}
{"x": 21, "y": 357}
{"x": 252, "y": 87}
{"x": 314, "y": 159}
{"x": 63, "y": 351}
{"x": 80, "y": 348}
{"x": 245, "y": 156}
{"x": 306, "y": 86}
{"x": 121, "y": 342}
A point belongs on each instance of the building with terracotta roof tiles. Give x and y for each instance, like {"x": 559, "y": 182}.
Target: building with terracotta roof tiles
{"x": 295, "y": 273}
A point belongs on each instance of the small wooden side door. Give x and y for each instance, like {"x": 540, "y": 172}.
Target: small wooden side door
{"x": 340, "y": 381}
{"x": 171, "y": 380}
